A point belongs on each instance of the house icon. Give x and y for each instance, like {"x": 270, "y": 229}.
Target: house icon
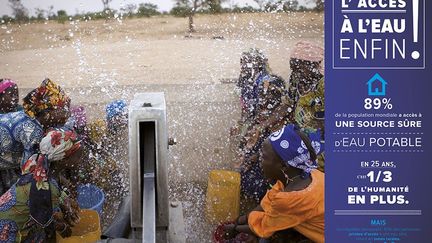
{"x": 377, "y": 86}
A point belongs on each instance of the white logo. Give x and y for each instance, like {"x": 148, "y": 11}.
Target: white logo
{"x": 284, "y": 144}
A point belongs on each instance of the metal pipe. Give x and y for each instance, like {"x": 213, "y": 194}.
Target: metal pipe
{"x": 149, "y": 209}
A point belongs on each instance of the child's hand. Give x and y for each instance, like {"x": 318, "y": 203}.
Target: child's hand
{"x": 252, "y": 239}
{"x": 61, "y": 226}
{"x": 230, "y": 231}
{"x": 253, "y": 137}
{"x": 70, "y": 210}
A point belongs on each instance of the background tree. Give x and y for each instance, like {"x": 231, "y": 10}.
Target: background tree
{"x": 190, "y": 7}
{"x": 319, "y": 5}
{"x": 261, "y": 3}
{"x": 215, "y": 6}
{"x": 18, "y": 10}
{"x": 62, "y": 16}
{"x": 50, "y": 12}
{"x": 129, "y": 9}
{"x": 246, "y": 9}
{"x": 6, "y": 19}
{"x": 40, "y": 14}
{"x": 179, "y": 11}
{"x": 291, "y": 5}
{"x": 106, "y": 4}
{"x": 279, "y": 6}
{"x": 148, "y": 9}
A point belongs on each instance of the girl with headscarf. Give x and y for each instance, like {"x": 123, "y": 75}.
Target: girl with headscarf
{"x": 296, "y": 200}
{"x": 108, "y": 165}
{"x": 37, "y": 205}
{"x": 306, "y": 72}
{"x": 309, "y": 113}
{"x": 307, "y": 88}
{"x": 274, "y": 110}
{"x": 253, "y": 67}
{"x": 8, "y": 96}
{"x": 48, "y": 104}
{"x": 8, "y": 103}
{"x": 116, "y": 115}
{"x": 20, "y": 132}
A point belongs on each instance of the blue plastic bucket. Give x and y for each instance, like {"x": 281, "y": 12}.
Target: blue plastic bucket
{"x": 91, "y": 197}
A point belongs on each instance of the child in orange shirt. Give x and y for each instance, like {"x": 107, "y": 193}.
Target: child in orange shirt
{"x": 296, "y": 200}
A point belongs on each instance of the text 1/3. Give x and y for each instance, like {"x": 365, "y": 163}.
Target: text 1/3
{"x": 385, "y": 176}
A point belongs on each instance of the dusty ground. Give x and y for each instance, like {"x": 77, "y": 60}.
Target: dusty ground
{"x": 98, "y": 61}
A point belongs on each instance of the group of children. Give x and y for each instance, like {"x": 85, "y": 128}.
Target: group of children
{"x": 281, "y": 148}
{"x": 47, "y": 149}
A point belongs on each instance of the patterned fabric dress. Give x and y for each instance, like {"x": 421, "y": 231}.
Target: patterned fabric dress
{"x": 19, "y": 138}
{"x": 14, "y": 211}
{"x": 35, "y": 206}
{"x": 309, "y": 114}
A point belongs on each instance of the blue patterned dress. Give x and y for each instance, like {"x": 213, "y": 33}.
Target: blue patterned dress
{"x": 19, "y": 139}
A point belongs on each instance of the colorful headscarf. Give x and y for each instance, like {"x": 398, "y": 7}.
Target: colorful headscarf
{"x": 48, "y": 95}
{"x": 5, "y": 84}
{"x": 97, "y": 130}
{"x": 292, "y": 149}
{"x": 271, "y": 93}
{"x": 116, "y": 114}
{"x": 80, "y": 115}
{"x": 115, "y": 109}
{"x": 255, "y": 60}
{"x": 59, "y": 144}
{"x": 56, "y": 145}
{"x": 307, "y": 51}
{"x": 305, "y": 63}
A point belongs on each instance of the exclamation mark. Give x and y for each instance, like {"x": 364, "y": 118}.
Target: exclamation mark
{"x": 415, "y": 54}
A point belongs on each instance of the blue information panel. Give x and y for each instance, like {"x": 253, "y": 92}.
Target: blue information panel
{"x": 378, "y": 121}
